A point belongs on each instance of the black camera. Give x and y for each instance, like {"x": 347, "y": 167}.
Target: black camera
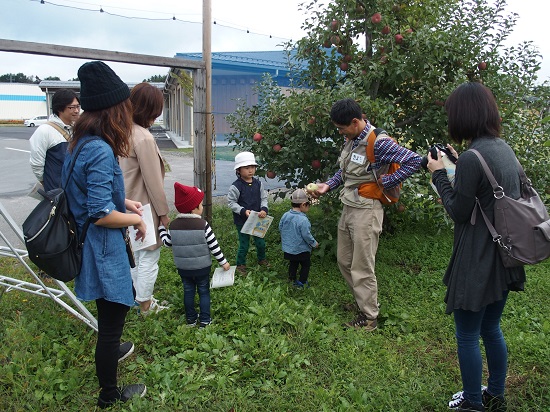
{"x": 433, "y": 151}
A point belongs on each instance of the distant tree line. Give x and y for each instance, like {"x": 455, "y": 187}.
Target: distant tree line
{"x": 22, "y": 78}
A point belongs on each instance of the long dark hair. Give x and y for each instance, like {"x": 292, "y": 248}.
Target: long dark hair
{"x": 472, "y": 112}
{"x": 114, "y": 125}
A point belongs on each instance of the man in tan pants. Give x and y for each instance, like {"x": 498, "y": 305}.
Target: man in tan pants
{"x": 360, "y": 224}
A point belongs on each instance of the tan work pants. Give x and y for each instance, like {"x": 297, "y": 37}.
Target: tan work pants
{"x": 358, "y": 233}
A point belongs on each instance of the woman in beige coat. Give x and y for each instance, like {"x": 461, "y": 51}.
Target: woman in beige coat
{"x": 144, "y": 182}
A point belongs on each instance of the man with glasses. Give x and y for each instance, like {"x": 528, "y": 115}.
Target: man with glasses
{"x": 49, "y": 142}
{"x": 360, "y": 223}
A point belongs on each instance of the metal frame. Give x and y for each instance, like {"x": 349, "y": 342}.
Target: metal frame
{"x": 73, "y": 306}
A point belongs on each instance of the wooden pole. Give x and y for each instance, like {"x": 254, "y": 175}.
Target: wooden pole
{"x": 207, "y": 57}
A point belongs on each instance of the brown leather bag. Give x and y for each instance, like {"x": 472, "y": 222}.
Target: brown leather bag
{"x": 522, "y": 226}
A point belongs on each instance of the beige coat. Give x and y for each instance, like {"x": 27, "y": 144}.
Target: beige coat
{"x": 144, "y": 175}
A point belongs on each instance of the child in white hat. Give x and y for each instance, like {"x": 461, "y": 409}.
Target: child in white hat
{"x": 246, "y": 194}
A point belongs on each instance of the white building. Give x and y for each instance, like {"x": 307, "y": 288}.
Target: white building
{"x": 19, "y": 101}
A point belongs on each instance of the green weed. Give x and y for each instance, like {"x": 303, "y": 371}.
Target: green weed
{"x": 275, "y": 348}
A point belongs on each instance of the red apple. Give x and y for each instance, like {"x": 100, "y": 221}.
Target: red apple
{"x": 344, "y": 66}
{"x": 334, "y": 39}
{"x": 334, "y": 25}
{"x": 409, "y": 31}
{"x": 316, "y": 164}
{"x": 376, "y": 18}
{"x": 384, "y": 59}
{"x": 482, "y": 66}
{"x": 271, "y": 174}
{"x": 311, "y": 120}
{"x": 400, "y": 208}
{"x": 277, "y": 148}
{"x": 257, "y": 137}
{"x": 398, "y": 38}
{"x": 386, "y": 30}
{"x": 347, "y": 58}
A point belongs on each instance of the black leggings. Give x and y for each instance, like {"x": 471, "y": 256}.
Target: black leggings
{"x": 110, "y": 321}
{"x": 303, "y": 259}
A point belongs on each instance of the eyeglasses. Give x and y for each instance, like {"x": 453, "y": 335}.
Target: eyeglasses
{"x": 75, "y": 107}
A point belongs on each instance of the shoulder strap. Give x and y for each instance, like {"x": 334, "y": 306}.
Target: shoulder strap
{"x": 498, "y": 193}
{"x": 371, "y": 138}
{"x": 496, "y": 187}
{"x": 73, "y": 160}
{"x": 63, "y": 132}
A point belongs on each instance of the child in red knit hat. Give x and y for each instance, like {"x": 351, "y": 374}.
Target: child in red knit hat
{"x": 193, "y": 241}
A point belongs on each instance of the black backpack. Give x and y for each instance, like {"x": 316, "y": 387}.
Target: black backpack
{"x": 51, "y": 235}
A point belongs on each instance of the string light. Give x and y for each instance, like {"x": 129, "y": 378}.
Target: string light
{"x": 174, "y": 18}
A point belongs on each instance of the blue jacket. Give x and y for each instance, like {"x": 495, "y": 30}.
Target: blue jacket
{"x": 296, "y": 234}
{"x": 105, "y": 269}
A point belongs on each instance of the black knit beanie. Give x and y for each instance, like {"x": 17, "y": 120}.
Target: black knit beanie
{"x": 100, "y": 87}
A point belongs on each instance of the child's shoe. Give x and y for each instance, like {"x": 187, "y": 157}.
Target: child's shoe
{"x": 300, "y": 285}
{"x": 264, "y": 263}
{"x": 241, "y": 269}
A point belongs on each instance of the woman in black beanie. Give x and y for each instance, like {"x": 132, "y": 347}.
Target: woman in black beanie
{"x": 95, "y": 191}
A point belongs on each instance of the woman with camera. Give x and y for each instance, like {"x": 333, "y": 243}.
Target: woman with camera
{"x": 476, "y": 279}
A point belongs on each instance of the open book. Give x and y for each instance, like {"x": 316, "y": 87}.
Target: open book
{"x": 222, "y": 278}
{"x": 255, "y": 225}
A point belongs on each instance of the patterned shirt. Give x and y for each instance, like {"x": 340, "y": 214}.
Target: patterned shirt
{"x": 385, "y": 151}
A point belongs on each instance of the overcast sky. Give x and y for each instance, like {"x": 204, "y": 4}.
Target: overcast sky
{"x": 28, "y": 20}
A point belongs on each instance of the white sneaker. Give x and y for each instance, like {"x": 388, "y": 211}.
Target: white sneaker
{"x": 155, "y": 307}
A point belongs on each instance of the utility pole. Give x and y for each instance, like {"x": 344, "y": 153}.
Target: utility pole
{"x": 207, "y": 57}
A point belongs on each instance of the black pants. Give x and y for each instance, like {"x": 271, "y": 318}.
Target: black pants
{"x": 110, "y": 322}
{"x": 302, "y": 259}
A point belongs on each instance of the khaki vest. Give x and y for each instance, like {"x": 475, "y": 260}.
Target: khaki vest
{"x": 354, "y": 165}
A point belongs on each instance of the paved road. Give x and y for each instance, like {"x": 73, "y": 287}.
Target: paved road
{"x": 17, "y": 179}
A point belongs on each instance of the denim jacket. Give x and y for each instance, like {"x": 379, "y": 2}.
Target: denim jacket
{"x": 296, "y": 234}
{"x": 95, "y": 189}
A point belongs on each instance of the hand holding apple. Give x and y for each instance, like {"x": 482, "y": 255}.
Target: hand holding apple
{"x": 312, "y": 187}
{"x": 322, "y": 188}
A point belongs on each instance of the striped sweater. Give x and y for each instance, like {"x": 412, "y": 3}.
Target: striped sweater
{"x": 193, "y": 241}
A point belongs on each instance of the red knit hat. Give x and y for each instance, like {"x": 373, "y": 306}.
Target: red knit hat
{"x": 187, "y": 198}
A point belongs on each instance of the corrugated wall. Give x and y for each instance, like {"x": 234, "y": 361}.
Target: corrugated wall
{"x": 227, "y": 91}
{"x": 19, "y": 101}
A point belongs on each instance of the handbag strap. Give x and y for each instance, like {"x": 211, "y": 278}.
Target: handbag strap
{"x": 498, "y": 192}
{"x": 71, "y": 167}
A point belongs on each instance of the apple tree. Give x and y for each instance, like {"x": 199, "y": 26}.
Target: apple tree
{"x": 399, "y": 60}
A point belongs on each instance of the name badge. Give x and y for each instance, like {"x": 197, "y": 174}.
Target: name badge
{"x": 357, "y": 158}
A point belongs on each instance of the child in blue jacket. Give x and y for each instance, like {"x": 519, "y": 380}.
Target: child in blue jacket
{"x": 296, "y": 238}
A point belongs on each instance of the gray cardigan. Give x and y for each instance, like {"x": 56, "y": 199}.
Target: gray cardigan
{"x": 476, "y": 276}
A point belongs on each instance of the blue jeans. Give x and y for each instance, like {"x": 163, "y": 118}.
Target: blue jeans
{"x": 469, "y": 327}
{"x": 196, "y": 285}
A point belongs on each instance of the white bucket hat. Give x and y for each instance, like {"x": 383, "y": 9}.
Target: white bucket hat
{"x": 245, "y": 159}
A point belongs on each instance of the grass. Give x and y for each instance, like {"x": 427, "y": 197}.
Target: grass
{"x": 274, "y": 348}
{"x": 220, "y": 153}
